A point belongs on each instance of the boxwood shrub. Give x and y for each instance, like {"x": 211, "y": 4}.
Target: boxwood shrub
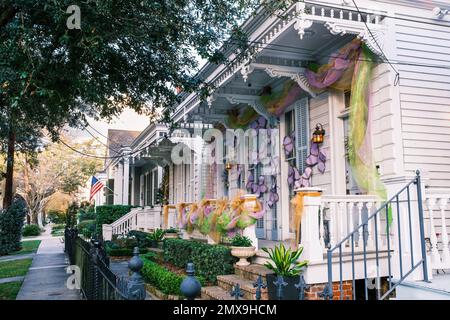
{"x": 31, "y": 230}
{"x": 164, "y": 280}
{"x": 108, "y": 214}
{"x": 123, "y": 252}
{"x": 209, "y": 260}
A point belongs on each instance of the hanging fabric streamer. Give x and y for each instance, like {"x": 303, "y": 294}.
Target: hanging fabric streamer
{"x": 277, "y": 102}
{"x": 241, "y": 119}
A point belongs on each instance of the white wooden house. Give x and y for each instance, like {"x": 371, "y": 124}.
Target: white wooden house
{"x": 410, "y": 130}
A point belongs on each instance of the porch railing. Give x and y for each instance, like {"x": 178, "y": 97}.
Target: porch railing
{"x": 405, "y": 210}
{"x": 437, "y": 206}
{"x": 339, "y": 215}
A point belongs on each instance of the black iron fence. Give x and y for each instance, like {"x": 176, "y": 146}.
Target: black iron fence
{"x": 96, "y": 280}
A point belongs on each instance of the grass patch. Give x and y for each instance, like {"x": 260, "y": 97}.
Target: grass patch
{"x": 9, "y": 291}
{"x": 29, "y": 246}
{"x": 14, "y": 268}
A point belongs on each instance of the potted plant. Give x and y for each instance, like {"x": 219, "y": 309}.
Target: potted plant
{"x": 241, "y": 247}
{"x": 284, "y": 262}
{"x": 171, "y": 233}
{"x": 155, "y": 237}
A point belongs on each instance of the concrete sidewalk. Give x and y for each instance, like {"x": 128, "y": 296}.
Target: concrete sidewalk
{"x": 46, "y": 278}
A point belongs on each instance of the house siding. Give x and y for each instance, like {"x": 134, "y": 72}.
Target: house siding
{"x": 424, "y": 98}
{"x": 319, "y": 113}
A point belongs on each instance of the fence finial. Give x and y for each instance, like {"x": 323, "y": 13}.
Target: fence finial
{"x": 136, "y": 287}
{"x": 190, "y": 287}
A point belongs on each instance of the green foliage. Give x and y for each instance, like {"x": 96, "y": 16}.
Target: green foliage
{"x": 241, "y": 241}
{"x": 86, "y": 214}
{"x": 164, "y": 280}
{"x": 157, "y": 235}
{"x": 86, "y": 228}
{"x": 142, "y": 238}
{"x": 284, "y": 261}
{"x": 122, "y": 252}
{"x": 209, "y": 260}
{"x": 108, "y": 214}
{"x": 71, "y": 215}
{"x": 172, "y": 230}
{"x": 31, "y": 230}
{"x": 11, "y": 223}
{"x": 56, "y": 216}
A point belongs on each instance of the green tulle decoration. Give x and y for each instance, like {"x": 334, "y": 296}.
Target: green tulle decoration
{"x": 359, "y": 153}
{"x": 245, "y": 221}
{"x": 222, "y": 222}
{"x": 205, "y": 225}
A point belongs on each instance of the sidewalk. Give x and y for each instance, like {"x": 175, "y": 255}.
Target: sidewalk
{"x": 46, "y": 278}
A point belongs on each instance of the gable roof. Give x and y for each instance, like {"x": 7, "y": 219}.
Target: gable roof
{"x": 120, "y": 138}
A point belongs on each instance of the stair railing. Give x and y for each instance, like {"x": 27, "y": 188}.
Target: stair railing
{"x": 403, "y": 220}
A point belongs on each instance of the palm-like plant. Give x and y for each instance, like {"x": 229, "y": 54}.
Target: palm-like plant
{"x": 285, "y": 261}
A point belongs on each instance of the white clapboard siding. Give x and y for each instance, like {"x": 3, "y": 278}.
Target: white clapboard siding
{"x": 425, "y": 98}
{"x": 319, "y": 113}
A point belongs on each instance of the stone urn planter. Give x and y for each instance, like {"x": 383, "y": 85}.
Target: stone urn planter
{"x": 243, "y": 253}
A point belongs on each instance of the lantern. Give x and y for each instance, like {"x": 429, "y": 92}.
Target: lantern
{"x": 228, "y": 166}
{"x": 319, "y": 134}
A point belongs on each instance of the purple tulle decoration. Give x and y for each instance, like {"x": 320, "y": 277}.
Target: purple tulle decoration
{"x": 257, "y": 215}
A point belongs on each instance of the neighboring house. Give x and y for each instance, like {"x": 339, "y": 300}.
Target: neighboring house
{"x": 406, "y": 127}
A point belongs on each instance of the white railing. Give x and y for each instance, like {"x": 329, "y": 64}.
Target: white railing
{"x": 340, "y": 215}
{"x": 143, "y": 219}
{"x": 437, "y": 204}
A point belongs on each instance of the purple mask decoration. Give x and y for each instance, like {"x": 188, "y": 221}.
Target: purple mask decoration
{"x": 250, "y": 181}
{"x": 260, "y": 187}
{"x": 273, "y": 196}
{"x": 288, "y": 144}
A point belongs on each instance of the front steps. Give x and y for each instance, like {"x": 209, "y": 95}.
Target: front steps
{"x": 244, "y": 276}
{"x": 437, "y": 289}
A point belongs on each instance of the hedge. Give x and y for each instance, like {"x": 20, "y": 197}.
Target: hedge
{"x": 123, "y": 252}
{"x": 108, "y": 214}
{"x": 209, "y": 260}
{"x": 86, "y": 228}
{"x": 31, "y": 230}
{"x": 11, "y": 223}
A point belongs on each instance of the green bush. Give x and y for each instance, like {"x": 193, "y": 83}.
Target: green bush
{"x": 11, "y": 223}
{"x": 209, "y": 260}
{"x": 58, "y": 227}
{"x": 56, "y": 216}
{"x": 108, "y": 214}
{"x": 31, "y": 230}
{"x": 86, "y": 228}
{"x": 123, "y": 252}
{"x": 142, "y": 238}
{"x": 86, "y": 213}
{"x": 164, "y": 280}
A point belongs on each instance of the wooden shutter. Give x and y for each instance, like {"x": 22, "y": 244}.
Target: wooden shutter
{"x": 301, "y": 132}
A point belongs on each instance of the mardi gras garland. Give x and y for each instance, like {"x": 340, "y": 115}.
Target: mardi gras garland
{"x": 217, "y": 218}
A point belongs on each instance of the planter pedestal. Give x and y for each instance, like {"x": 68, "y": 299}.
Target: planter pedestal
{"x": 250, "y": 232}
{"x": 243, "y": 253}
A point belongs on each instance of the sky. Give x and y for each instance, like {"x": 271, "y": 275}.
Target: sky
{"x": 128, "y": 120}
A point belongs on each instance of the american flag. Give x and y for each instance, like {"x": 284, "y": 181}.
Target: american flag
{"x": 96, "y": 186}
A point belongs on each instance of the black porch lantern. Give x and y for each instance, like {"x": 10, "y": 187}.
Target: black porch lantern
{"x": 319, "y": 134}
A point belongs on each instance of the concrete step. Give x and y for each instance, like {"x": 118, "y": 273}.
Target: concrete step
{"x": 252, "y": 271}
{"x": 437, "y": 289}
{"x": 215, "y": 293}
{"x": 228, "y": 282}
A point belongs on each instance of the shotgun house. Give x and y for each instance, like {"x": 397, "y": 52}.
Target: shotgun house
{"x": 353, "y": 104}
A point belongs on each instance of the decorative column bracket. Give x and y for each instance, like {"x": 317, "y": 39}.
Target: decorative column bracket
{"x": 295, "y": 73}
{"x": 343, "y": 27}
{"x": 252, "y": 101}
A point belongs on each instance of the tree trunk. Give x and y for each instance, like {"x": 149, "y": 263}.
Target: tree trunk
{"x": 7, "y": 200}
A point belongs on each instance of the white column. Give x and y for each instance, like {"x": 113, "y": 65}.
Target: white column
{"x": 133, "y": 184}
{"x": 310, "y": 233}
{"x": 126, "y": 180}
{"x": 107, "y": 232}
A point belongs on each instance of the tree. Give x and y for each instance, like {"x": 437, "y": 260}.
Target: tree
{"x": 127, "y": 53}
{"x": 55, "y": 169}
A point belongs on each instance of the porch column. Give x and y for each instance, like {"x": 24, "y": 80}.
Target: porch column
{"x": 310, "y": 237}
{"x": 133, "y": 185}
{"x": 126, "y": 176}
{"x": 119, "y": 182}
